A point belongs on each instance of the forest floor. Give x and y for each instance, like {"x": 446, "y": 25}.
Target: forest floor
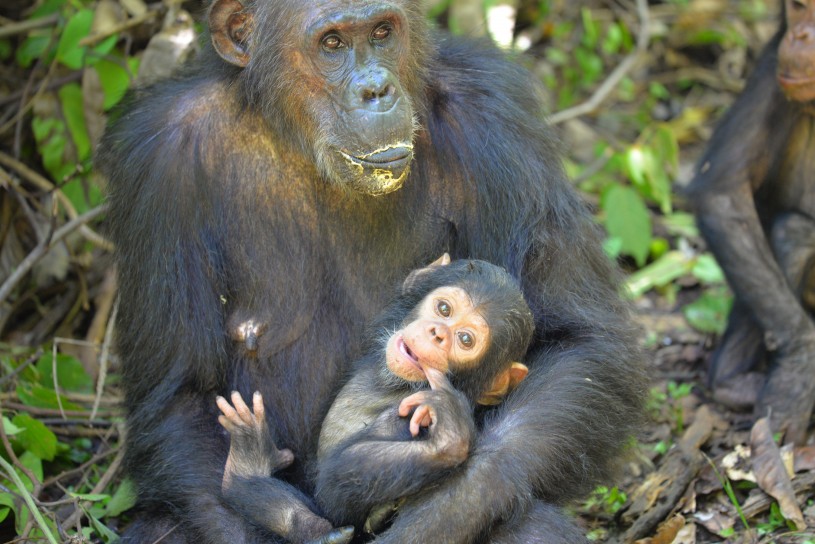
{"x": 696, "y": 473}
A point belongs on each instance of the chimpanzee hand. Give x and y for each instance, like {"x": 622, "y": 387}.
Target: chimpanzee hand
{"x": 789, "y": 394}
{"x": 446, "y": 413}
{"x": 252, "y": 451}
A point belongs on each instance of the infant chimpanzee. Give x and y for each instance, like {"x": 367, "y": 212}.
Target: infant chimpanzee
{"x": 460, "y": 327}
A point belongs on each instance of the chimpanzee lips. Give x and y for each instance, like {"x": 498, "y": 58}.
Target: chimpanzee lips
{"x": 405, "y": 350}
{"x": 391, "y": 158}
{"x": 800, "y": 89}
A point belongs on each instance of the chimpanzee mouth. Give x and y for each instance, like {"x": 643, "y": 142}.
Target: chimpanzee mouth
{"x": 405, "y": 350}
{"x": 393, "y": 157}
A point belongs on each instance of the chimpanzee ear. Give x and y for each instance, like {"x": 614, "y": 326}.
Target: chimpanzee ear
{"x": 503, "y": 383}
{"x": 230, "y": 26}
{"x": 444, "y": 260}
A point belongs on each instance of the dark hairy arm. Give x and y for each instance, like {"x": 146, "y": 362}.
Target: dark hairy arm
{"x": 382, "y": 463}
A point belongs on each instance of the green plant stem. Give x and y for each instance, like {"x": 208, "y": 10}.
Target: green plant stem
{"x": 29, "y": 500}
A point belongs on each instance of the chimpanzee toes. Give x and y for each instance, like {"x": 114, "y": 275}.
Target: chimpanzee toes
{"x": 342, "y": 535}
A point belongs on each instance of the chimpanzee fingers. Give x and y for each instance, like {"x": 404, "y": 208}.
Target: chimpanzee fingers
{"x": 437, "y": 379}
{"x": 226, "y": 408}
{"x": 422, "y": 417}
{"x": 257, "y": 407}
{"x": 285, "y": 457}
{"x": 227, "y": 424}
{"x": 411, "y": 402}
{"x": 241, "y": 408}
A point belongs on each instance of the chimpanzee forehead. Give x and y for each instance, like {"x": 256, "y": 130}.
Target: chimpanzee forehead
{"x": 331, "y": 14}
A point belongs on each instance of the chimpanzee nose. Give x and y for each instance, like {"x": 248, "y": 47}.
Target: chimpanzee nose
{"x": 804, "y": 33}
{"x": 439, "y": 334}
{"x": 375, "y": 89}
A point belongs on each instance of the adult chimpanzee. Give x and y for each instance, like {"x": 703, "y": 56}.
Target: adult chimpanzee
{"x": 262, "y": 210}
{"x": 468, "y": 320}
{"x": 755, "y": 199}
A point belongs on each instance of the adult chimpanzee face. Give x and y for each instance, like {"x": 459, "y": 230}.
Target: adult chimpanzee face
{"x": 796, "y": 53}
{"x": 336, "y": 73}
{"x": 357, "y": 52}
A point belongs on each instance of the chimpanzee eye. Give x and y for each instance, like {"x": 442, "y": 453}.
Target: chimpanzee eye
{"x": 332, "y": 41}
{"x": 443, "y": 308}
{"x": 381, "y": 32}
{"x": 466, "y": 339}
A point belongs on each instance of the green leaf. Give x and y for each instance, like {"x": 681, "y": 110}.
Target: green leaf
{"x": 103, "y": 48}
{"x": 10, "y": 428}
{"x": 681, "y": 224}
{"x": 71, "y": 375}
{"x": 123, "y": 499}
{"x": 102, "y": 530}
{"x": 626, "y": 217}
{"x": 69, "y": 52}
{"x": 70, "y": 96}
{"x": 707, "y": 270}
{"x": 32, "y": 463}
{"x": 5, "y": 49}
{"x": 47, "y": 8}
{"x": 709, "y": 312}
{"x": 40, "y": 397}
{"x": 32, "y": 48}
{"x": 35, "y": 437}
{"x": 115, "y": 81}
{"x": 92, "y": 497}
{"x": 6, "y": 505}
{"x": 660, "y": 272}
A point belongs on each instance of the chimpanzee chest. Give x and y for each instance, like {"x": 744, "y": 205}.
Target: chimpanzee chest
{"x": 796, "y": 171}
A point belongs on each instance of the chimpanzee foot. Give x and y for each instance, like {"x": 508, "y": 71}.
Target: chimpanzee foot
{"x": 342, "y": 535}
{"x": 789, "y": 395}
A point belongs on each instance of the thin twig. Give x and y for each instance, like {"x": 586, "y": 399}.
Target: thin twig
{"x": 14, "y": 459}
{"x": 56, "y": 380}
{"x": 38, "y": 252}
{"x": 104, "y": 359}
{"x": 33, "y": 358}
{"x": 81, "y": 468}
{"x": 29, "y": 500}
{"x": 50, "y": 412}
{"x": 152, "y": 11}
{"x": 24, "y": 26}
{"x": 44, "y": 184}
{"x": 602, "y": 92}
{"x": 99, "y": 487}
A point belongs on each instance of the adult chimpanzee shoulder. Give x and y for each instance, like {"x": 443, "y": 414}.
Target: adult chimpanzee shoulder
{"x": 264, "y": 204}
{"x": 755, "y": 200}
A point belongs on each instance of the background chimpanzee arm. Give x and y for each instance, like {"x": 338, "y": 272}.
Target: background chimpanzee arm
{"x": 745, "y": 152}
{"x": 556, "y": 435}
{"x": 382, "y": 462}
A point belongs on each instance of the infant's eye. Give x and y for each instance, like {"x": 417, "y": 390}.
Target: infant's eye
{"x": 466, "y": 340}
{"x": 443, "y": 308}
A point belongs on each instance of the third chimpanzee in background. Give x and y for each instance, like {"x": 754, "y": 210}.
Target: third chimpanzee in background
{"x": 467, "y": 320}
{"x": 754, "y": 194}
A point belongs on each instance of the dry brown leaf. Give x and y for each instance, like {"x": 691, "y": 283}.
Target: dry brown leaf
{"x": 667, "y": 531}
{"x": 771, "y": 474}
{"x": 804, "y": 458}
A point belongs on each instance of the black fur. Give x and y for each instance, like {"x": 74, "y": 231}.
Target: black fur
{"x": 218, "y": 210}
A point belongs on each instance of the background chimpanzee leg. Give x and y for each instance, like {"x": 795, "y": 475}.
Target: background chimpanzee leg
{"x": 793, "y": 241}
{"x": 535, "y": 527}
{"x": 733, "y": 373}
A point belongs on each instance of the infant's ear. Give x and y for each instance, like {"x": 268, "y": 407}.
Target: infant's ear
{"x": 414, "y": 276}
{"x": 503, "y": 383}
